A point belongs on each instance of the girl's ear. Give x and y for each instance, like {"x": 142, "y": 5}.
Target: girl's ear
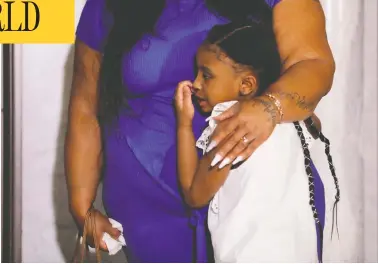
{"x": 248, "y": 85}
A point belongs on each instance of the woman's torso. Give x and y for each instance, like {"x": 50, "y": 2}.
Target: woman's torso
{"x": 151, "y": 72}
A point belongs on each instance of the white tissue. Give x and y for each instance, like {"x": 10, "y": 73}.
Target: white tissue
{"x": 112, "y": 244}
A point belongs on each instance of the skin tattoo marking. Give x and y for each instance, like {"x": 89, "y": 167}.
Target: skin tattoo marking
{"x": 269, "y": 108}
{"x": 300, "y": 101}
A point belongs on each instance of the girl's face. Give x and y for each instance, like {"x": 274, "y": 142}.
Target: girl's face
{"x": 218, "y": 79}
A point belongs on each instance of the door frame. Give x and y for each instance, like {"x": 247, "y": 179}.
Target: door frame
{"x": 11, "y": 157}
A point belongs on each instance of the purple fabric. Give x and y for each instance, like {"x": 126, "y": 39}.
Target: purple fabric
{"x": 94, "y": 24}
{"x": 272, "y": 3}
{"x": 320, "y": 207}
{"x": 140, "y": 182}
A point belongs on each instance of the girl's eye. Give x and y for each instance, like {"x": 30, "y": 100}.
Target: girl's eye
{"x": 206, "y": 76}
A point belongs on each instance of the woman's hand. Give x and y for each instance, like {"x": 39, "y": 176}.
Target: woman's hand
{"x": 244, "y": 127}
{"x": 184, "y": 104}
{"x": 97, "y": 225}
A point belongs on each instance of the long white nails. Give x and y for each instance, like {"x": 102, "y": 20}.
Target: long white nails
{"x": 225, "y": 162}
{"x": 237, "y": 160}
{"x": 212, "y": 145}
{"x": 216, "y": 159}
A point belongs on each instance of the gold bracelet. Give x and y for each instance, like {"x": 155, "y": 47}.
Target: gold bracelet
{"x": 278, "y": 105}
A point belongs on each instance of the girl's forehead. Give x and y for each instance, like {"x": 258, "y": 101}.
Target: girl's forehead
{"x": 213, "y": 54}
{"x": 212, "y": 51}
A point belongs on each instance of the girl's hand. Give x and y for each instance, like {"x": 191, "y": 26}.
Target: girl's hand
{"x": 184, "y": 104}
{"x": 97, "y": 225}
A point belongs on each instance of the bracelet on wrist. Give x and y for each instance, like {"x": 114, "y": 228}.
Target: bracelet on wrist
{"x": 277, "y": 104}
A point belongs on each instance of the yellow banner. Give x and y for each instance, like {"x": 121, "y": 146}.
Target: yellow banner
{"x": 37, "y": 21}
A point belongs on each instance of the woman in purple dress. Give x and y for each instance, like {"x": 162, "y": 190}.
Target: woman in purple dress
{"x": 129, "y": 57}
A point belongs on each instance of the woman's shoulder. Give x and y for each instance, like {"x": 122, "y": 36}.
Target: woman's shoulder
{"x": 94, "y": 24}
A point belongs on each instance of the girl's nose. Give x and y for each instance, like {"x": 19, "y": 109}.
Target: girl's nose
{"x": 195, "y": 89}
{"x": 196, "y": 86}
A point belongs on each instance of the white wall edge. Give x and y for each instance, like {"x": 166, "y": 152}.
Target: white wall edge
{"x": 370, "y": 86}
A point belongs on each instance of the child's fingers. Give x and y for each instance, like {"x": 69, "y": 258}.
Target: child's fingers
{"x": 183, "y": 93}
{"x": 178, "y": 97}
{"x": 178, "y": 94}
{"x": 186, "y": 83}
{"x": 187, "y": 93}
{"x": 181, "y": 87}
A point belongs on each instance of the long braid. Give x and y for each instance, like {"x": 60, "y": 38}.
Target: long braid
{"x": 311, "y": 184}
{"x": 309, "y": 122}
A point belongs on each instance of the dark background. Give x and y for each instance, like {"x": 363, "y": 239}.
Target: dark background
{"x": 7, "y": 227}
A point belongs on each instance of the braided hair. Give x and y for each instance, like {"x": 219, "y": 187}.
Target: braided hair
{"x": 307, "y": 162}
{"x": 253, "y": 45}
{"x": 239, "y": 43}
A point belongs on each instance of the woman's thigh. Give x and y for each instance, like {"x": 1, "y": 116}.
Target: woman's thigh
{"x": 155, "y": 225}
{"x": 157, "y": 238}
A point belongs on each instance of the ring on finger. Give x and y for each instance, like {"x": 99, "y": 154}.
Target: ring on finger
{"x": 245, "y": 140}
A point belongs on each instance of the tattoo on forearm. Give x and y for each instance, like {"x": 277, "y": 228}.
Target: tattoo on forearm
{"x": 300, "y": 101}
{"x": 269, "y": 108}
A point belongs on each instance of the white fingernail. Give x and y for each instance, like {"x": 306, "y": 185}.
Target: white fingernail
{"x": 216, "y": 159}
{"x": 212, "y": 145}
{"x": 225, "y": 162}
{"x": 237, "y": 160}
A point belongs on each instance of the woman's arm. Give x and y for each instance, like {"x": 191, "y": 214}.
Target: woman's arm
{"x": 308, "y": 67}
{"x": 83, "y": 145}
{"x": 308, "y": 64}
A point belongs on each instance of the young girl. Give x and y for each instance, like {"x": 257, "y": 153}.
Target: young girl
{"x": 259, "y": 210}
